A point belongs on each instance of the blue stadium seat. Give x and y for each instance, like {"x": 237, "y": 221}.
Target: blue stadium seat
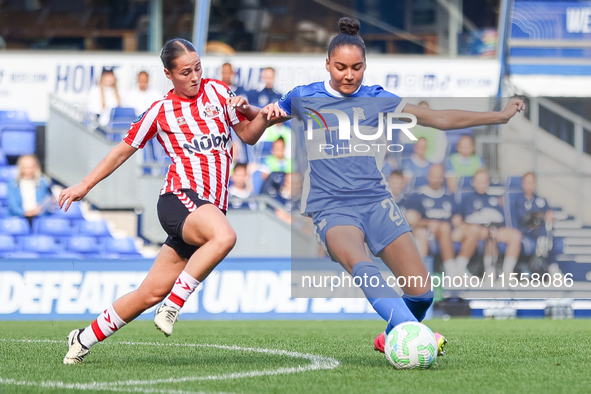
{"x": 121, "y": 118}
{"x": 15, "y": 226}
{"x": 89, "y": 246}
{"x": 257, "y": 182}
{"x": 42, "y": 244}
{"x": 122, "y": 246}
{"x": 3, "y": 193}
{"x": 74, "y": 213}
{"x": 3, "y": 158}
{"x": 20, "y": 255}
{"x": 8, "y": 173}
{"x": 98, "y": 228}
{"x": 17, "y": 140}
{"x": 513, "y": 184}
{"x": 11, "y": 117}
{"x": 7, "y": 243}
{"x": 56, "y": 227}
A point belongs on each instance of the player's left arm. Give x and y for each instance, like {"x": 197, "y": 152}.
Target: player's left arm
{"x": 450, "y": 119}
{"x": 251, "y": 131}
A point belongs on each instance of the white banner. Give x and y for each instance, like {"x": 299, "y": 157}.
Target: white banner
{"x": 27, "y": 78}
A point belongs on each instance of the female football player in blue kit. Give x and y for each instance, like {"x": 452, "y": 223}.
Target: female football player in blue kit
{"x": 347, "y": 196}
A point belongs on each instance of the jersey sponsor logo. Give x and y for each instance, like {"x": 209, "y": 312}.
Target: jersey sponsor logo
{"x": 211, "y": 110}
{"x": 208, "y": 142}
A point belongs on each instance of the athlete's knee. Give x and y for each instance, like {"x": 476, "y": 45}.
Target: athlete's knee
{"x": 225, "y": 240}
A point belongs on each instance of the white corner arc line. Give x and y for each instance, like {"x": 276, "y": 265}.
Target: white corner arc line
{"x": 316, "y": 363}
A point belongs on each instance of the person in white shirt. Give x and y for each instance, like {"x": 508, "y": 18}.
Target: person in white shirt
{"x": 141, "y": 97}
{"x": 104, "y": 97}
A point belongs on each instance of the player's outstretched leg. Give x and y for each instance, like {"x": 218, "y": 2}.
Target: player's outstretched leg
{"x": 207, "y": 228}
{"x": 166, "y": 268}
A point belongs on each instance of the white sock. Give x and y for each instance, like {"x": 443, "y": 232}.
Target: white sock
{"x": 508, "y": 265}
{"x": 104, "y": 326}
{"x": 450, "y": 268}
{"x": 488, "y": 266}
{"x": 184, "y": 286}
{"x": 462, "y": 263}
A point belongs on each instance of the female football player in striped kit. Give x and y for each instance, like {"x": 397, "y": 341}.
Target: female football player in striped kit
{"x": 345, "y": 192}
{"x": 192, "y": 122}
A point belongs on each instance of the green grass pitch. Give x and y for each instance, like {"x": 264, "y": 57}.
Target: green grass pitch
{"x": 484, "y": 356}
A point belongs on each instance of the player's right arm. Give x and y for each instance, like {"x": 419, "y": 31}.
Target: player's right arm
{"x": 114, "y": 159}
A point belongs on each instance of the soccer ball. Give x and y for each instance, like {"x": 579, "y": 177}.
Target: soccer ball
{"x": 411, "y": 345}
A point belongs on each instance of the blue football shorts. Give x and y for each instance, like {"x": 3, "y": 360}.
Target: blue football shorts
{"x": 381, "y": 222}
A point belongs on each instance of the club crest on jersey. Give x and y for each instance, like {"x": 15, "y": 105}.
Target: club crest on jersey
{"x": 211, "y": 110}
{"x": 207, "y": 142}
{"x": 181, "y": 120}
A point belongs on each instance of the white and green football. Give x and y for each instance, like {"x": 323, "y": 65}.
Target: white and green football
{"x": 411, "y": 345}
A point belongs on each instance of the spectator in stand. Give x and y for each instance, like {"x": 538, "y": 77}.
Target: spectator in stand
{"x": 438, "y": 211}
{"x": 29, "y": 194}
{"x": 227, "y": 77}
{"x": 240, "y": 188}
{"x": 276, "y": 161}
{"x": 141, "y": 97}
{"x": 463, "y": 163}
{"x": 289, "y": 196}
{"x": 485, "y": 210}
{"x": 104, "y": 97}
{"x": 533, "y": 215}
{"x": 416, "y": 166}
{"x": 407, "y": 206}
{"x": 267, "y": 94}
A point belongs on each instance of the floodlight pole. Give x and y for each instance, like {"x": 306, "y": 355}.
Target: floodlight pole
{"x": 503, "y": 32}
{"x": 155, "y": 30}
{"x": 201, "y": 25}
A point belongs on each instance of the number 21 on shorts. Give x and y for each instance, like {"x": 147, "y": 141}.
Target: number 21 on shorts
{"x": 394, "y": 212}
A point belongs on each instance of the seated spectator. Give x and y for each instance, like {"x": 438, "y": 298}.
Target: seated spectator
{"x": 104, "y": 97}
{"x": 289, "y": 196}
{"x": 463, "y": 163}
{"x": 227, "y": 76}
{"x": 416, "y": 166}
{"x": 407, "y": 206}
{"x": 29, "y": 195}
{"x": 240, "y": 188}
{"x": 485, "y": 210}
{"x": 276, "y": 161}
{"x": 267, "y": 94}
{"x": 141, "y": 97}
{"x": 533, "y": 214}
{"x": 438, "y": 211}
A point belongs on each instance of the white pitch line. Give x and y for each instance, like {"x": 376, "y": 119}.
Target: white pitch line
{"x": 316, "y": 363}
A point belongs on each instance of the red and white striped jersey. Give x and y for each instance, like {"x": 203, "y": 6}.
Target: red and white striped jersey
{"x": 195, "y": 133}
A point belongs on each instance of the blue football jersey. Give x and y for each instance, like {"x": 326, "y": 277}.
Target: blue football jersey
{"x": 341, "y": 171}
{"x": 435, "y": 204}
{"x": 524, "y": 209}
{"x": 478, "y": 208}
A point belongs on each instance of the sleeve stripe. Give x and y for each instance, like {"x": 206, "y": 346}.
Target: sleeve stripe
{"x": 145, "y": 125}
